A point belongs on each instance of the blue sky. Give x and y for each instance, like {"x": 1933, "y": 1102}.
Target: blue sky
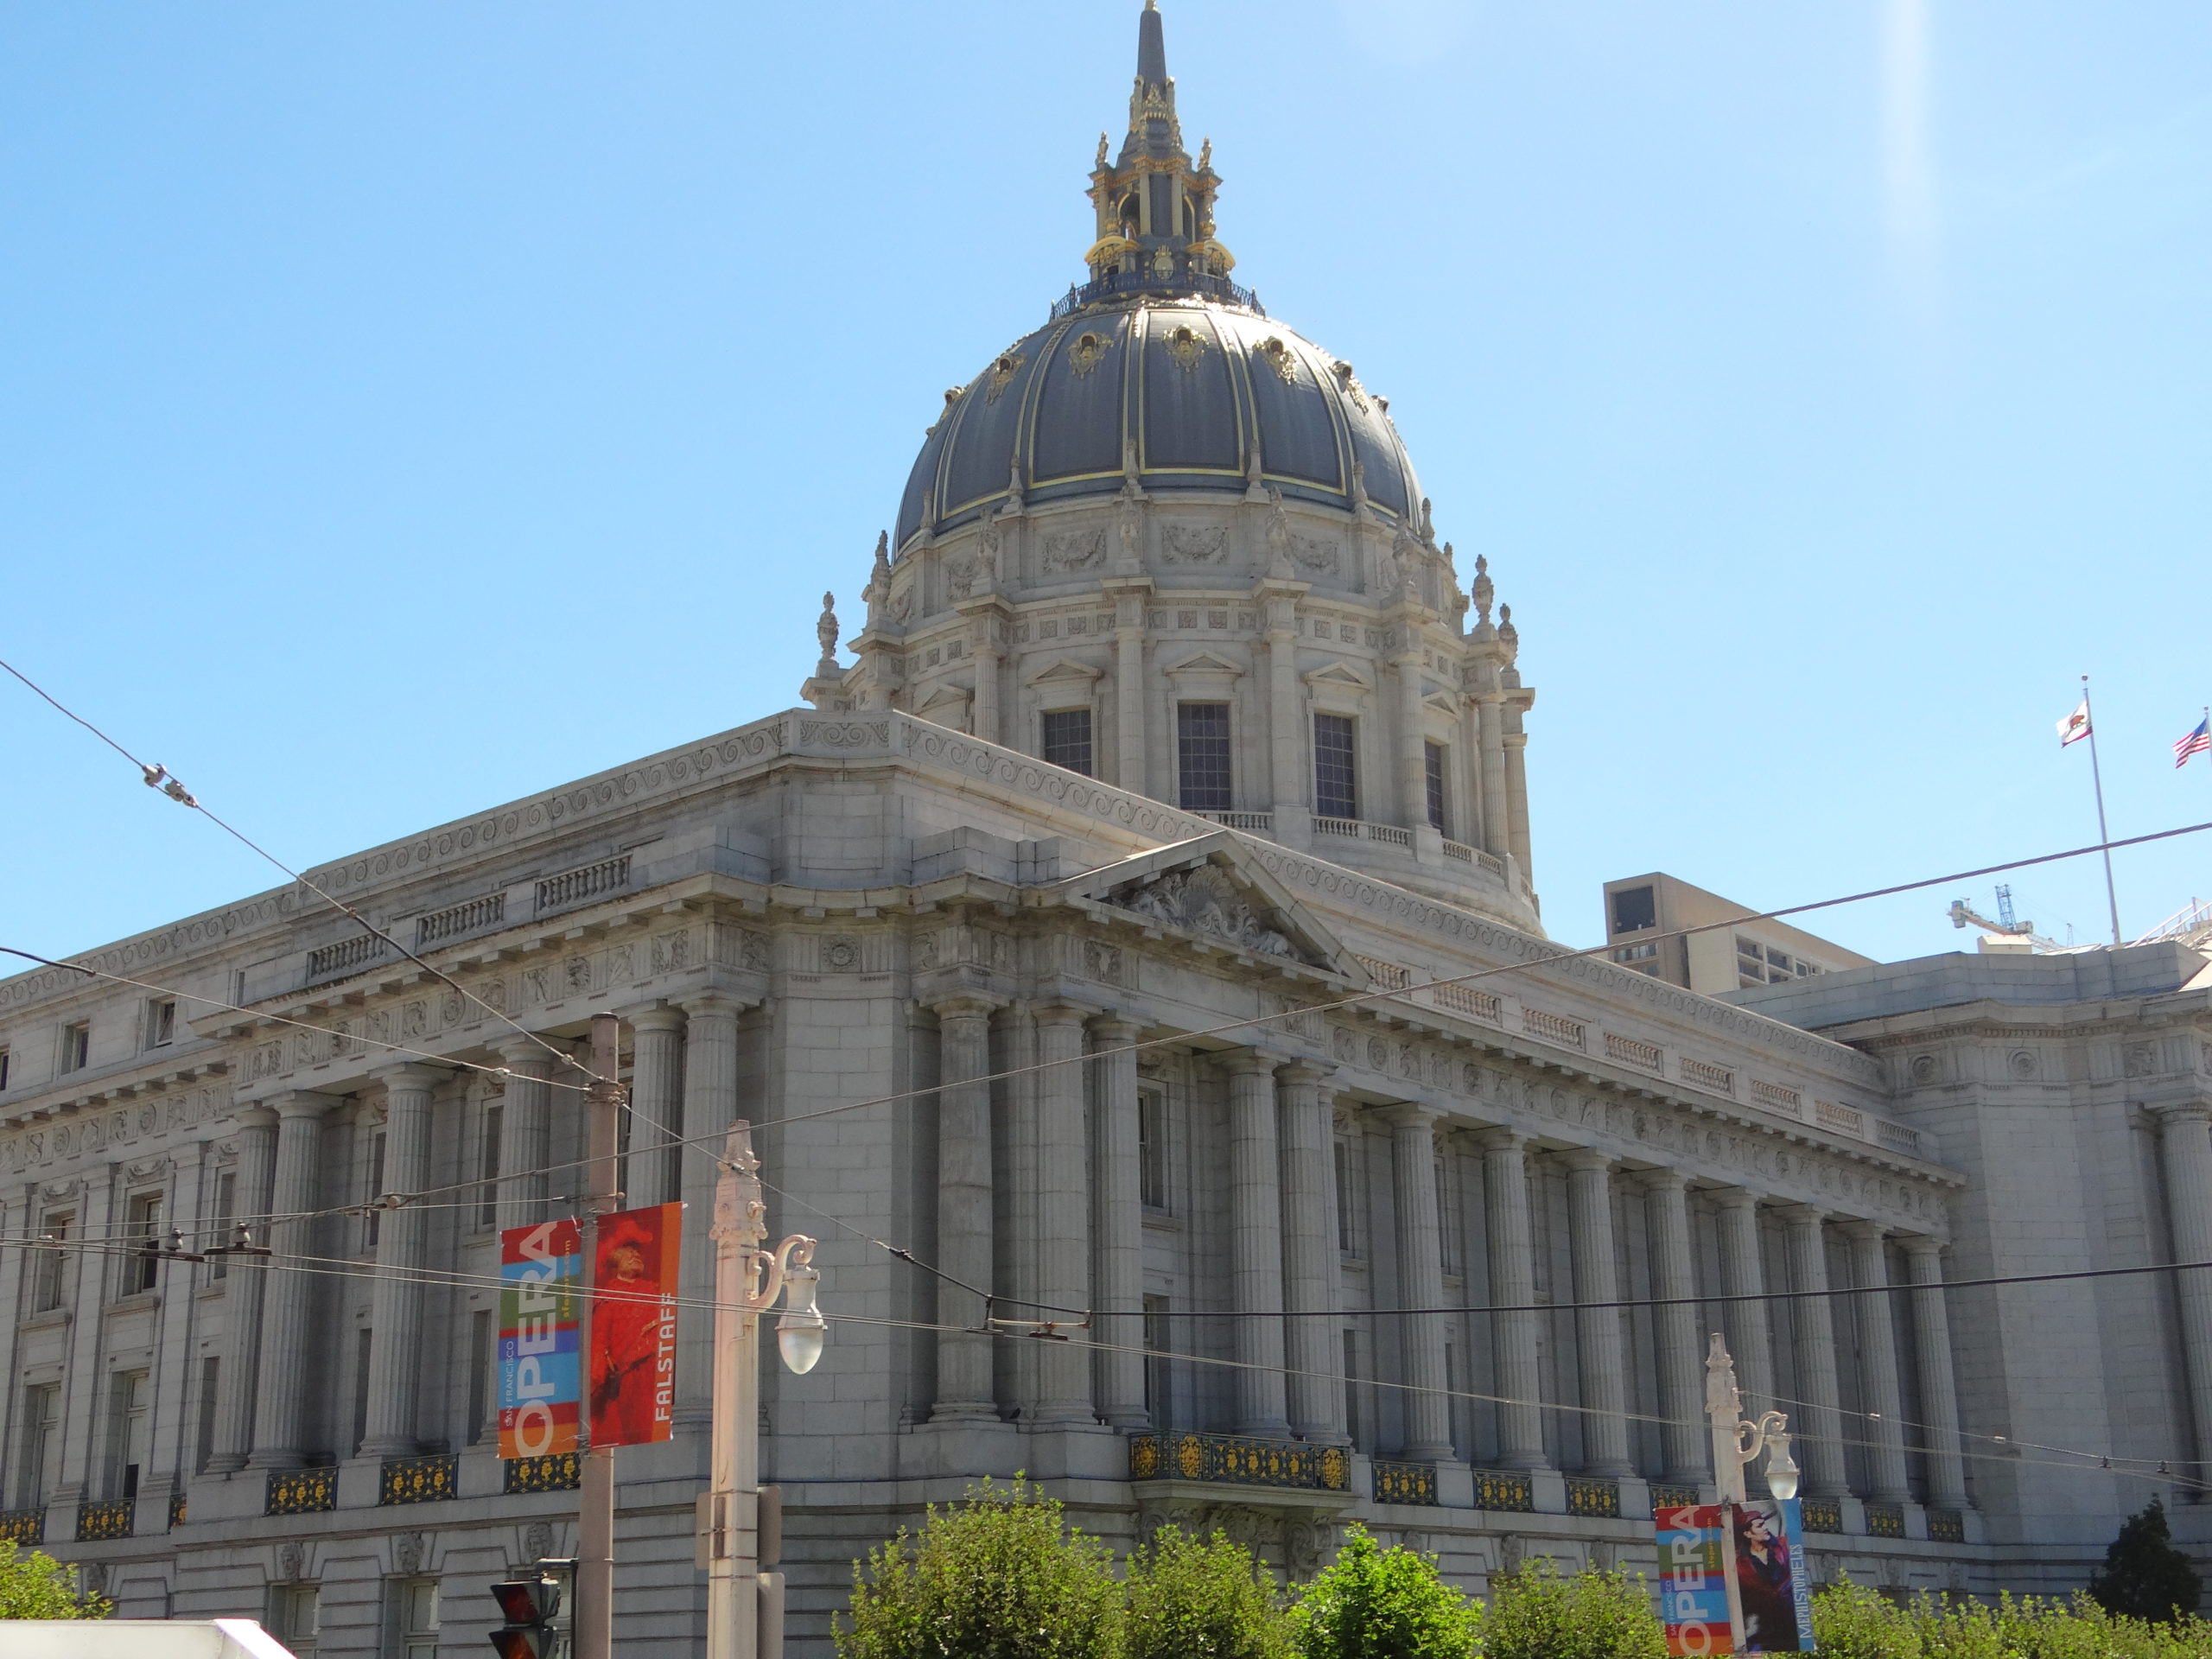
{"x": 403, "y": 408}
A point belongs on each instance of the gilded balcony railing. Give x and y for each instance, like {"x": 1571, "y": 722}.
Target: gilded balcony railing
{"x": 300, "y": 1492}
{"x": 561, "y": 1472}
{"x": 109, "y": 1519}
{"x": 1946, "y": 1527}
{"x": 1504, "y": 1489}
{"x": 1823, "y": 1514}
{"x": 1599, "y": 1498}
{"x": 22, "y": 1526}
{"x": 1885, "y": 1521}
{"x": 1239, "y": 1461}
{"x": 176, "y": 1511}
{"x": 419, "y": 1480}
{"x": 1404, "y": 1483}
{"x": 1664, "y": 1497}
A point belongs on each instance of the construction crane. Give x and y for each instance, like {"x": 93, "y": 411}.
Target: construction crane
{"x": 2007, "y": 926}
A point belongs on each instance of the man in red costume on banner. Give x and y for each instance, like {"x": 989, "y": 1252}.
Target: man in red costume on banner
{"x": 626, "y": 1328}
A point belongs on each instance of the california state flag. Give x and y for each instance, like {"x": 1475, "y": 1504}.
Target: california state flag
{"x": 2076, "y": 725}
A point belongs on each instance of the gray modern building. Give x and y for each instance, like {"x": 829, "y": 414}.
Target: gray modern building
{"x": 1142, "y": 922}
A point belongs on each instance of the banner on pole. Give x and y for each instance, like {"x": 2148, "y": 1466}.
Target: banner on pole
{"x": 1693, "y": 1582}
{"x": 632, "y": 1366}
{"x": 1772, "y": 1586}
{"x": 541, "y": 1268}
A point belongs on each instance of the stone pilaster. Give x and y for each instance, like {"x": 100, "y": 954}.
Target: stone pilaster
{"x": 1497, "y": 833}
{"x": 656, "y": 1106}
{"x": 964, "y": 1243}
{"x": 1939, "y": 1392}
{"x": 280, "y": 1383}
{"x": 1063, "y": 1187}
{"x": 245, "y": 1285}
{"x": 396, "y": 1315}
{"x": 1814, "y": 1419}
{"x": 1420, "y": 1280}
{"x": 1599, "y": 1342}
{"x": 1742, "y": 1273}
{"x": 1316, "y": 1394}
{"x": 1512, "y": 1284}
{"x": 1255, "y": 1244}
{"x": 1128, "y": 593}
{"x": 1117, "y": 1227}
{"x": 1877, "y": 1364}
{"x": 1682, "y": 1353}
{"x": 710, "y": 1024}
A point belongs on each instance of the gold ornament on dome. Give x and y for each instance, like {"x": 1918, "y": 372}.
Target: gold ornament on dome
{"x": 1353, "y": 390}
{"x": 1279, "y": 357}
{"x": 1086, "y": 351}
{"x": 1002, "y": 374}
{"x": 1185, "y": 345}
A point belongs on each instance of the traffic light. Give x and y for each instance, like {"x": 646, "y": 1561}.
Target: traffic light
{"x": 528, "y": 1606}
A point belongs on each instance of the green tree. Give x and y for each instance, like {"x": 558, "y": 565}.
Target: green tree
{"x": 1535, "y": 1613}
{"x": 1372, "y": 1603}
{"x": 1203, "y": 1598}
{"x": 38, "y": 1586}
{"x": 2143, "y": 1575}
{"x": 1000, "y": 1576}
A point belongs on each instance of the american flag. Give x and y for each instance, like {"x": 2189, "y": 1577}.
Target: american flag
{"x": 2199, "y": 741}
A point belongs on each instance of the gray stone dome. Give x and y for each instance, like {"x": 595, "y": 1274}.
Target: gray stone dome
{"x": 1180, "y": 394}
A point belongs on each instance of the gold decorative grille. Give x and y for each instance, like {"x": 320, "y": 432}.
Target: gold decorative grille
{"x": 1497, "y": 1489}
{"x": 1239, "y": 1461}
{"x": 300, "y": 1492}
{"x": 419, "y": 1480}
{"x": 1823, "y": 1514}
{"x": 1664, "y": 1497}
{"x": 109, "y": 1520}
{"x": 1404, "y": 1483}
{"x": 563, "y": 1472}
{"x": 1946, "y": 1527}
{"x": 23, "y": 1526}
{"x": 176, "y": 1509}
{"x": 1884, "y": 1520}
{"x": 1601, "y": 1498}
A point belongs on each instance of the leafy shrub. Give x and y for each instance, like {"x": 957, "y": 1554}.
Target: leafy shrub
{"x": 1852, "y": 1622}
{"x": 1000, "y": 1576}
{"x": 1372, "y": 1603}
{"x": 1536, "y": 1613}
{"x": 1192, "y": 1598}
{"x": 38, "y": 1586}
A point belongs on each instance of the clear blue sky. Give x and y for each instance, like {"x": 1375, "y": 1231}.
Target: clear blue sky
{"x": 406, "y": 407}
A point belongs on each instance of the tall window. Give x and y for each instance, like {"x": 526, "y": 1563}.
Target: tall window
{"x": 369, "y": 1229}
{"x": 45, "y": 1291}
{"x": 161, "y": 1022}
{"x": 4, "y": 1065}
{"x": 1066, "y": 734}
{"x": 1159, "y": 1341}
{"x": 142, "y": 1271}
{"x": 41, "y": 1467}
{"x": 1447, "y": 1233}
{"x": 413, "y": 1621}
{"x": 1355, "y": 1396}
{"x": 226, "y": 1206}
{"x": 1336, "y": 771}
{"x": 130, "y": 1399}
{"x": 76, "y": 1046}
{"x": 1431, "y": 759}
{"x": 296, "y": 1616}
{"x": 480, "y": 1413}
{"x": 1152, "y": 1148}
{"x": 487, "y": 1167}
{"x": 211, "y": 1380}
{"x": 1202, "y": 755}
{"x": 364, "y": 1343}
{"x": 1347, "y": 1201}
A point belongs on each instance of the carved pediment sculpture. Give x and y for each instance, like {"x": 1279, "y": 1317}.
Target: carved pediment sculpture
{"x": 1205, "y": 900}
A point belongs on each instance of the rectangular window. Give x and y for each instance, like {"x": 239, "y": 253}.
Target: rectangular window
{"x": 161, "y": 1022}
{"x": 1152, "y": 1148}
{"x": 1066, "y": 734}
{"x": 414, "y": 1619}
{"x": 42, "y": 1466}
{"x": 1447, "y": 1229}
{"x": 376, "y": 1190}
{"x": 226, "y": 1206}
{"x": 1635, "y": 909}
{"x": 295, "y": 1616}
{"x": 1355, "y": 1396}
{"x": 4, "y": 1065}
{"x": 1202, "y": 756}
{"x": 141, "y": 1270}
{"x": 1432, "y": 773}
{"x": 480, "y": 1413}
{"x": 210, "y": 1381}
{"x": 46, "y": 1289}
{"x": 364, "y": 1341}
{"x": 1335, "y": 770}
{"x": 487, "y": 1167}
{"x": 1347, "y": 1233}
{"x": 1159, "y": 1341}
{"x": 130, "y": 1399}
{"x": 76, "y": 1046}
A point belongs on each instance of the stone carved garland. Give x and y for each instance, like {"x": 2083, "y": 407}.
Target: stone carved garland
{"x": 1189, "y": 545}
{"x": 1074, "y": 550}
{"x": 1205, "y": 900}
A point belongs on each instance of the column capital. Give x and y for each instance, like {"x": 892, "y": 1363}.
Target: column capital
{"x": 1501, "y": 1137}
{"x": 1663, "y": 1178}
{"x": 1060, "y": 1013}
{"x": 1862, "y": 1230}
{"x": 410, "y": 1075}
{"x": 301, "y": 1102}
{"x": 1921, "y": 1247}
{"x": 1588, "y": 1158}
{"x": 1802, "y": 1215}
{"x": 703, "y": 1003}
{"x": 1734, "y": 1197}
{"x": 2182, "y": 1111}
{"x": 965, "y": 1004}
{"x": 653, "y": 1016}
{"x": 1114, "y": 1028}
{"x": 1409, "y": 1115}
{"x": 1316, "y": 1072}
{"x": 516, "y": 1052}
{"x": 1248, "y": 1061}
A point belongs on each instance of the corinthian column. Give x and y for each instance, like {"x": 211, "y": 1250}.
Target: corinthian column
{"x": 525, "y": 1131}
{"x": 963, "y": 1210}
{"x": 1064, "y": 1208}
{"x": 1939, "y": 1393}
{"x": 709, "y": 1107}
{"x": 1742, "y": 1273}
{"x": 1309, "y": 1250}
{"x": 1512, "y": 1284}
{"x": 1117, "y": 1229}
{"x": 1497, "y": 833}
{"x": 1813, "y": 1420}
{"x": 2185, "y": 1165}
{"x": 656, "y": 1106}
{"x": 396, "y": 1315}
{"x": 1128, "y": 596}
{"x": 1420, "y": 1280}
{"x": 1686, "y": 1435}
{"x": 280, "y": 1387}
{"x": 244, "y": 1284}
{"x": 1413, "y": 758}
{"x": 1255, "y": 1244}
{"x": 1598, "y": 1330}
{"x": 1877, "y": 1364}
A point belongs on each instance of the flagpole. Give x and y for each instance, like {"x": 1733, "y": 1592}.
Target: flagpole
{"x": 2096, "y": 778}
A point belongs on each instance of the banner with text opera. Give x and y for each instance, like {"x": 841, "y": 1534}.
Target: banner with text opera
{"x": 1702, "y": 1548}
{"x": 541, "y": 1268}
{"x": 632, "y": 1366}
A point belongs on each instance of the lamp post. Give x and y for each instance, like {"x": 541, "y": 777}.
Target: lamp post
{"x": 747, "y": 1281}
{"x": 1736, "y": 1441}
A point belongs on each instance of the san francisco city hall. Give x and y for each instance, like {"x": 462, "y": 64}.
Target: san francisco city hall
{"x": 1168, "y": 711}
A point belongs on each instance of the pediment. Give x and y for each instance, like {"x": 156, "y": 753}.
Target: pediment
{"x": 1212, "y": 887}
{"x": 1205, "y": 661}
{"x": 1064, "y": 671}
{"x": 945, "y": 696}
{"x": 1443, "y": 702}
{"x": 1338, "y": 672}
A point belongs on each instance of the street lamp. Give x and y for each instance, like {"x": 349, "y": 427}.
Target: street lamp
{"x": 1737, "y": 1440}
{"x": 742, "y": 1601}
